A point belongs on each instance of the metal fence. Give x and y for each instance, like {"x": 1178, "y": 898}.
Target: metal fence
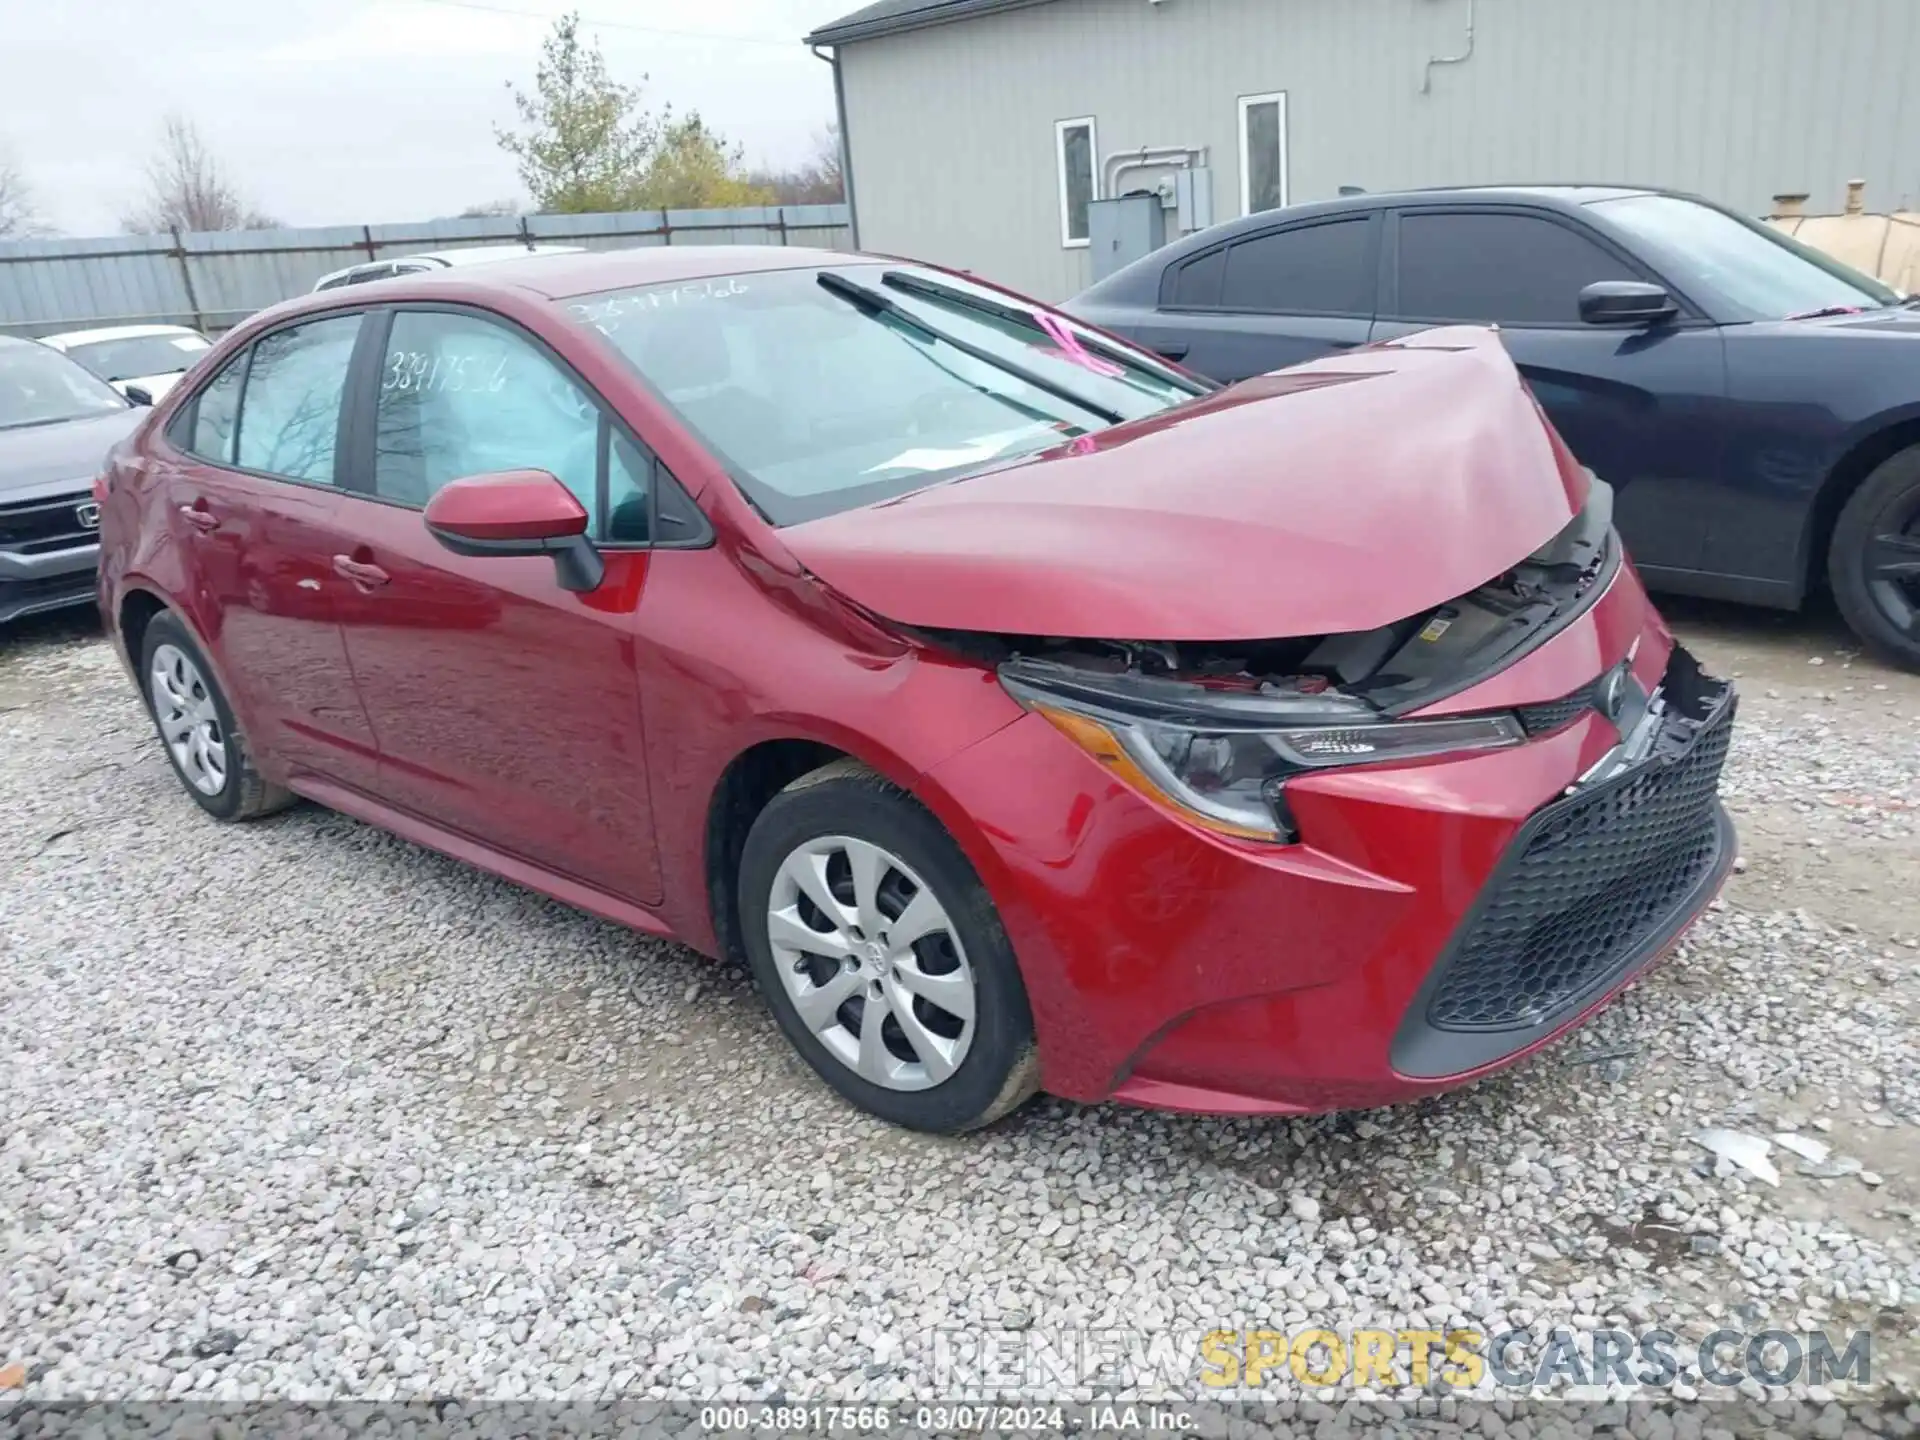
{"x": 214, "y": 280}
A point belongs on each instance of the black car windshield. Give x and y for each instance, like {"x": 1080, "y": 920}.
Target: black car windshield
{"x": 1751, "y": 269}
{"x": 823, "y": 390}
{"x": 136, "y": 356}
{"x": 40, "y": 386}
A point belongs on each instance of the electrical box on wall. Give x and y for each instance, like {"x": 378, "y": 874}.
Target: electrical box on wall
{"x": 1123, "y": 229}
{"x": 1193, "y": 198}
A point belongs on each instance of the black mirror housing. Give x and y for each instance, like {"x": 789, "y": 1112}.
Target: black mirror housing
{"x": 1626, "y": 302}
{"x": 138, "y": 395}
{"x": 577, "y": 563}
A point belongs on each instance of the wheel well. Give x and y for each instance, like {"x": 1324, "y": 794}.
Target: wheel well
{"x": 136, "y": 613}
{"x": 755, "y": 777}
{"x": 1845, "y": 478}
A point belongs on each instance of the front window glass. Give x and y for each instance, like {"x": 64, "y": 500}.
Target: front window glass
{"x": 462, "y": 396}
{"x": 40, "y": 386}
{"x": 1755, "y": 271}
{"x": 819, "y": 402}
{"x": 136, "y": 357}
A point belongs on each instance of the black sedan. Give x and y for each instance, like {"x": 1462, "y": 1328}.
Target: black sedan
{"x": 1754, "y": 403}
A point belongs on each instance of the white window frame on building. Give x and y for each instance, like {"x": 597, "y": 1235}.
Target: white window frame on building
{"x": 1068, "y": 240}
{"x": 1278, "y": 99}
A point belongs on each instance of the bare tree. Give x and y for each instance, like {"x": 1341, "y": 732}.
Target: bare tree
{"x": 814, "y": 181}
{"x": 189, "y": 189}
{"x": 18, "y": 215}
{"x": 492, "y": 209}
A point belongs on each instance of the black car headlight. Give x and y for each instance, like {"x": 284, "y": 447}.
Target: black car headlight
{"x": 1221, "y": 757}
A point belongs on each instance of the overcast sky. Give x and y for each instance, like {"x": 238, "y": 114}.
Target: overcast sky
{"x": 355, "y": 111}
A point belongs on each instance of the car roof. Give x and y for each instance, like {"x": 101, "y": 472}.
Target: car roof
{"x": 559, "y": 277}
{"x": 1563, "y": 194}
{"x": 473, "y": 254}
{"x": 113, "y": 332}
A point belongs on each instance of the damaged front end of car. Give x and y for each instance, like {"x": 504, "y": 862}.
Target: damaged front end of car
{"x": 1216, "y": 730}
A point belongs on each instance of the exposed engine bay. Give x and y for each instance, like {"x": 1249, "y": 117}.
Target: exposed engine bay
{"x": 1389, "y": 671}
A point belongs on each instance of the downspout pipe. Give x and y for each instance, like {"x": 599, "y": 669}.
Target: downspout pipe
{"x": 846, "y": 146}
{"x": 1426, "y": 78}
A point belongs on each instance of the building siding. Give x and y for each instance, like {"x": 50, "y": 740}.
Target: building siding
{"x": 950, "y": 128}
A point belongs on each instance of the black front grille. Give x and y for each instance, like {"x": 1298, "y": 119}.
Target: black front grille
{"x": 1551, "y": 715}
{"x": 1588, "y": 883}
{"x": 34, "y": 527}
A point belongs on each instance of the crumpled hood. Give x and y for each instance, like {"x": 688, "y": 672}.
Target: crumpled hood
{"x": 1335, "y": 496}
{"x": 42, "y": 459}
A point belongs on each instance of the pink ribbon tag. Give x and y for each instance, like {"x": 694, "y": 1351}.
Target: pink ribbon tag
{"x": 1071, "y": 348}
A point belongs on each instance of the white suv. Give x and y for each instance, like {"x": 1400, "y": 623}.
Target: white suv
{"x": 434, "y": 260}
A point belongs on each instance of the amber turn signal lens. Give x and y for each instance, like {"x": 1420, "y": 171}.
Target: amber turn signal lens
{"x": 1101, "y": 743}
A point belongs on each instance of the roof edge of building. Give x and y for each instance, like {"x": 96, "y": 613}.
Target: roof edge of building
{"x": 859, "y": 26}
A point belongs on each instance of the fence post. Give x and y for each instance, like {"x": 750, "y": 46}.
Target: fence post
{"x": 526, "y": 232}
{"x": 782, "y": 223}
{"x": 186, "y": 278}
{"x": 366, "y": 241}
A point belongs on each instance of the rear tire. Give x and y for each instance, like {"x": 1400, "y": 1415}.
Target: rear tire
{"x": 913, "y": 1005}
{"x": 197, "y": 728}
{"x": 1874, "y": 561}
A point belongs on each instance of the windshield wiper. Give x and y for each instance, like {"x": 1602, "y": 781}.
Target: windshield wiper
{"x": 877, "y": 303}
{"x": 1026, "y": 319}
{"x": 1823, "y": 311}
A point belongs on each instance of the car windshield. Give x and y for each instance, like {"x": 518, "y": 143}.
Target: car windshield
{"x": 133, "y": 357}
{"x": 823, "y": 390}
{"x": 1753, "y": 270}
{"x": 40, "y": 386}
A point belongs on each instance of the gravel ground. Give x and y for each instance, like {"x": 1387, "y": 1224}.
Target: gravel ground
{"x": 297, "y": 1110}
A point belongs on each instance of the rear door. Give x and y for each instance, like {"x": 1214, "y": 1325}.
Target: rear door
{"x": 507, "y": 708}
{"x": 1270, "y": 299}
{"x": 254, "y": 510}
{"x": 1644, "y": 408}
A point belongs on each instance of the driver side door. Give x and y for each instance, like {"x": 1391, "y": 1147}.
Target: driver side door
{"x": 507, "y": 708}
{"x": 1644, "y": 409}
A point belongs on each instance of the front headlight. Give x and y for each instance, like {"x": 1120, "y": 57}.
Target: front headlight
{"x": 1221, "y": 758}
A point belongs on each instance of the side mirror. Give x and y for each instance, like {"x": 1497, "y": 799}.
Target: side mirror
{"x": 518, "y": 512}
{"x": 138, "y": 395}
{"x": 1626, "y": 302}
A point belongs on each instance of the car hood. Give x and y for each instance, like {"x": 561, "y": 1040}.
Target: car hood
{"x": 1894, "y": 320}
{"x": 47, "y": 459}
{"x": 1336, "y": 496}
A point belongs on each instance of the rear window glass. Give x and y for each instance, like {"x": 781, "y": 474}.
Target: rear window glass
{"x": 1310, "y": 270}
{"x": 1197, "y": 283}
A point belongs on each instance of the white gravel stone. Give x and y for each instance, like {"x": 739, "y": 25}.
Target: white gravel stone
{"x": 296, "y": 1109}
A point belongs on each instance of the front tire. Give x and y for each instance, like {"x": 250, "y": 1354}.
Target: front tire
{"x": 1874, "y": 561}
{"x": 197, "y": 729}
{"x": 881, "y": 955}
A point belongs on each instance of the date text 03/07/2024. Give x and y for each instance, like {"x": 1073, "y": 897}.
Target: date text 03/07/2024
{"x": 944, "y": 1419}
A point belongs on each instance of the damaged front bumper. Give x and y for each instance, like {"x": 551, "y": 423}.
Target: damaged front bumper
{"x": 1434, "y": 920}
{"x": 1590, "y": 889}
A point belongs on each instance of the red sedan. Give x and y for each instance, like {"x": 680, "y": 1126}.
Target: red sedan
{"x": 1027, "y": 713}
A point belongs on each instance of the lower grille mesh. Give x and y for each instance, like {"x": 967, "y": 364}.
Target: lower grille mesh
{"x": 1592, "y": 877}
